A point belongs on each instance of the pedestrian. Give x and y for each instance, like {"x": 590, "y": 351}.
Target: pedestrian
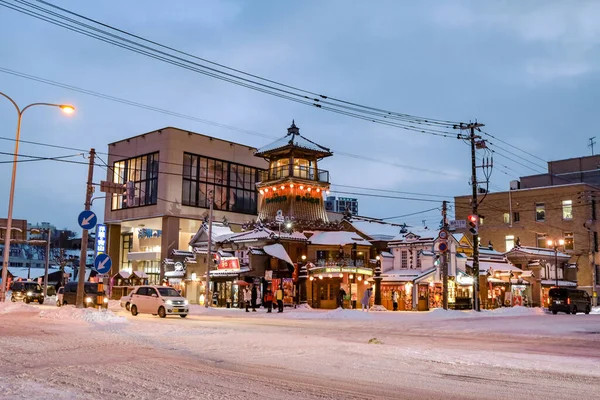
{"x": 366, "y": 300}
{"x": 254, "y": 296}
{"x": 341, "y": 296}
{"x": 247, "y": 297}
{"x": 395, "y": 300}
{"x": 279, "y": 298}
{"x": 269, "y": 300}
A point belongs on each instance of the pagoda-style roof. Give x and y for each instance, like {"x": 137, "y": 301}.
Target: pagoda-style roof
{"x": 293, "y": 140}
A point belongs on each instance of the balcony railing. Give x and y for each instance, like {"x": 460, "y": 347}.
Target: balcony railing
{"x": 308, "y": 173}
{"x": 336, "y": 263}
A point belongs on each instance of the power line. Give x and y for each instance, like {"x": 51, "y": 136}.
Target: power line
{"x": 411, "y": 214}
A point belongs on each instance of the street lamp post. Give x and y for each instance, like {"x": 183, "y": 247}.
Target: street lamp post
{"x": 67, "y": 109}
{"x": 556, "y": 243}
{"x": 377, "y": 278}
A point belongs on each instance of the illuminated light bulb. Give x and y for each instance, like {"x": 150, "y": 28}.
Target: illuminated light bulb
{"x": 274, "y": 189}
{"x": 351, "y": 276}
{"x": 366, "y": 283}
{"x": 318, "y": 190}
{"x": 262, "y": 191}
{"x": 291, "y": 185}
{"x": 341, "y": 275}
{"x": 301, "y": 187}
{"x": 308, "y": 189}
{"x": 330, "y": 275}
{"x": 327, "y": 192}
{"x": 312, "y": 278}
{"x": 359, "y": 278}
{"x": 266, "y": 190}
{"x": 282, "y": 187}
{"x": 320, "y": 276}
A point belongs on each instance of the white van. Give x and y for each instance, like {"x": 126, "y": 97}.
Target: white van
{"x": 161, "y": 300}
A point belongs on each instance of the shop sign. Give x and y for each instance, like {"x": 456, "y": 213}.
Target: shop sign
{"x": 229, "y": 263}
{"x": 464, "y": 280}
{"x": 332, "y": 269}
{"x": 100, "y": 239}
{"x": 354, "y": 292}
{"x": 268, "y": 275}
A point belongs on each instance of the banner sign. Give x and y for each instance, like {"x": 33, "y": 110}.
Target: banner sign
{"x": 100, "y": 239}
{"x": 229, "y": 263}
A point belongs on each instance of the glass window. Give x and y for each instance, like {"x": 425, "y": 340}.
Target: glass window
{"x": 404, "y": 259}
{"x": 540, "y": 212}
{"x": 569, "y": 241}
{"x": 542, "y": 240}
{"x": 567, "y": 209}
{"x": 516, "y": 217}
{"x": 506, "y": 218}
{"x": 142, "y": 172}
{"x": 509, "y": 240}
{"x": 233, "y": 185}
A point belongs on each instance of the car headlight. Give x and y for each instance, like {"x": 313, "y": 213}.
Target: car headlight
{"x": 88, "y": 299}
{"x": 169, "y": 302}
{"x": 106, "y": 299}
{"x": 29, "y": 293}
{"x": 185, "y": 302}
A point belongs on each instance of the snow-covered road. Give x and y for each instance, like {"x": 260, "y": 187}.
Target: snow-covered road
{"x": 64, "y": 353}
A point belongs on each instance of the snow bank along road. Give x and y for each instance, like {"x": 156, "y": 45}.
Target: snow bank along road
{"x": 64, "y": 353}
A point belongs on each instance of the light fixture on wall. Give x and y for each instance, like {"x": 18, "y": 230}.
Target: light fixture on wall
{"x": 292, "y": 185}
{"x": 301, "y": 187}
{"x": 282, "y": 187}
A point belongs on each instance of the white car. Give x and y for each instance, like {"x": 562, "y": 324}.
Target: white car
{"x": 126, "y": 300}
{"x": 161, "y": 300}
{"x": 59, "y": 296}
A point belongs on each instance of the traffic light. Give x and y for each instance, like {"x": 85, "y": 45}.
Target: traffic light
{"x": 473, "y": 224}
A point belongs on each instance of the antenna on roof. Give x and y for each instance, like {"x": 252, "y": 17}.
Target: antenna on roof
{"x": 592, "y": 143}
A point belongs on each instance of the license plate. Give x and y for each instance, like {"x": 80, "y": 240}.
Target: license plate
{"x": 176, "y": 310}
{"x": 557, "y": 302}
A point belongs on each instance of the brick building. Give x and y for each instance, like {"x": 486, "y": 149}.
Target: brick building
{"x": 557, "y": 205}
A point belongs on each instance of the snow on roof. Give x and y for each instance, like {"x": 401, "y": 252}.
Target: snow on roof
{"x": 494, "y": 266}
{"x": 486, "y": 251}
{"x": 278, "y": 251}
{"x": 263, "y": 234}
{"x": 418, "y": 234}
{"x": 337, "y": 238}
{"x": 293, "y": 139}
{"x": 219, "y": 232}
{"x": 376, "y": 230}
{"x": 552, "y": 282}
{"x": 386, "y": 254}
{"x": 23, "y": 272}
{"x": 537, "y": 251}
{"x": 400, "y": 275}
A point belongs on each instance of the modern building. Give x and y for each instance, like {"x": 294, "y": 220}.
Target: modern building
{"x": 168, "y": 176}
{"x": 341, "y": 205}
{"x": 558, "y": 207}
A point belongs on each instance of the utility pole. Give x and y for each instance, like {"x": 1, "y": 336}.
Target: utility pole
{"x": 84, "y": 235}
{"x": 209, "y": 253}
{"x": 47, "y": 264}
{"x": 445, "y": 258}
{"x": 473, "y": 139}
{"x": 592, "y": 143}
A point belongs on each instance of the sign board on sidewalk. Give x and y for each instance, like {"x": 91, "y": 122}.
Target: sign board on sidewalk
{"x": 458, "y": 224}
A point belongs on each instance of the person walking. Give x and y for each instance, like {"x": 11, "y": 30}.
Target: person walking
{"x": 247, "y": 297}
{"x": 269, "y": 300}
{"x": 254, "y": 297}
{"x": 279, "y": 298}
{"x": 366, "y": 299}
{"x": 341, "y": 296}
{"x": 395, "y": 300}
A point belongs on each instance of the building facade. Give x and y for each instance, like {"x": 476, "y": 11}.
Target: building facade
{"x": 559, "y": 206}
{"x": 167, "y": 177}
{"x": 341, "y": 205}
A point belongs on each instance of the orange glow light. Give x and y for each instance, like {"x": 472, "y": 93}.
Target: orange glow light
{"x": 282, "y": 187}
{"x": 301, "y": 187}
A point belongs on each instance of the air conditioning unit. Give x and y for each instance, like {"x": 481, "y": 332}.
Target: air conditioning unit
{"x": 515, "y": 185}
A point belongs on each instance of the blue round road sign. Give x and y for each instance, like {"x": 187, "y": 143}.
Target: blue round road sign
{"x": 102, "y": 263}
{"x": 87, "y": 219}
{"x": 443, "y": 247}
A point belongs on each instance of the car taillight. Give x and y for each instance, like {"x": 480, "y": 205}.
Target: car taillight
{"x": 568, "y": 301}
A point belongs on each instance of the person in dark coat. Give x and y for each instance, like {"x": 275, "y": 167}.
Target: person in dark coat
{"x": 269, "y": 300}
{"x": 341, "y": 296}
{"x": 254, "y": 297}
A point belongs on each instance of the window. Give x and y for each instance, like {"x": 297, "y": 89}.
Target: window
{"x": 509, "y": 240}
{"x": 507, "y": 218}
{"x": 567, "y": 209}
{"x": 480, "y": 220}
{"x": 233, "y": 185}
{"x": 569, "y": 241}
{"x": 152, "y": 269}
{"x": 404, "y": 259}
{"x": 418, "y": 260}
{"x": 142, "y": 171}
{"x": 127, "y": 245}
{"x": 542, "y": 240}
{"x": 143, "y": 291}
{"x": 540, "y": 212}
{"x": 516, "y": 217}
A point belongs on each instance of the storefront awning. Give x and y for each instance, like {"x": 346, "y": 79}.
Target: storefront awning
{"x": 182, "y": 253}
{"x": 229, "y": 272}
{"x": 278, "y": 251}
{"x": 174, "y": 274}
{"x": 425, "y": 275}
{"x": 143, "y": 256}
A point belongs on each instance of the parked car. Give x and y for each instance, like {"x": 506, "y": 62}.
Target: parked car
{"x": 159, "y": 300}
{"x": 59, "y": 296}
{"x": 27, "y": 292}
{"x": 126, "y": 300}
{"x": 90, "y": 298}
{"x": 570, "y": 301}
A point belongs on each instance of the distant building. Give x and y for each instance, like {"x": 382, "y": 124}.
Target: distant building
{"x": 340, "y": 205}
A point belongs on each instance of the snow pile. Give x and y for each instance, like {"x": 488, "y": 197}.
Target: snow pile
{"x": 514, "y": 311}
{"x": 50, "y": 299}
{"x": 441, "y": 313}
{"x": 595, "y": 310}
{"x": 378, "y": 308}
{"x": 83, "y": 314}
{"x": 9, "y": 308}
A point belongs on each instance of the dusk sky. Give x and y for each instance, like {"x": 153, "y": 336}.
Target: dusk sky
{"x": 527, "y": 70}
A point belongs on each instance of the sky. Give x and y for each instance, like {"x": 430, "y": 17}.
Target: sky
{"x": 527, "y": 70}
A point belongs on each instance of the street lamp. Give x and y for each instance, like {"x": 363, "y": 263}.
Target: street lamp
{"x": 67, "y": 109}
{"x": 556, "y": 243}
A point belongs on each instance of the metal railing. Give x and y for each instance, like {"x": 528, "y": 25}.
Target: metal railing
{"x": 308, "y": 173}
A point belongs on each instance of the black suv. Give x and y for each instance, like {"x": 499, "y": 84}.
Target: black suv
{"x": 27, "y": 292}
{"x": 90, "y": 298}
{"x": 570, "y": 301}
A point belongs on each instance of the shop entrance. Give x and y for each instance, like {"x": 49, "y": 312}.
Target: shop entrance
{"x": 227, "y": 294}
{"x": 327, "y": 292}
{"x": 423, "y": 304}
